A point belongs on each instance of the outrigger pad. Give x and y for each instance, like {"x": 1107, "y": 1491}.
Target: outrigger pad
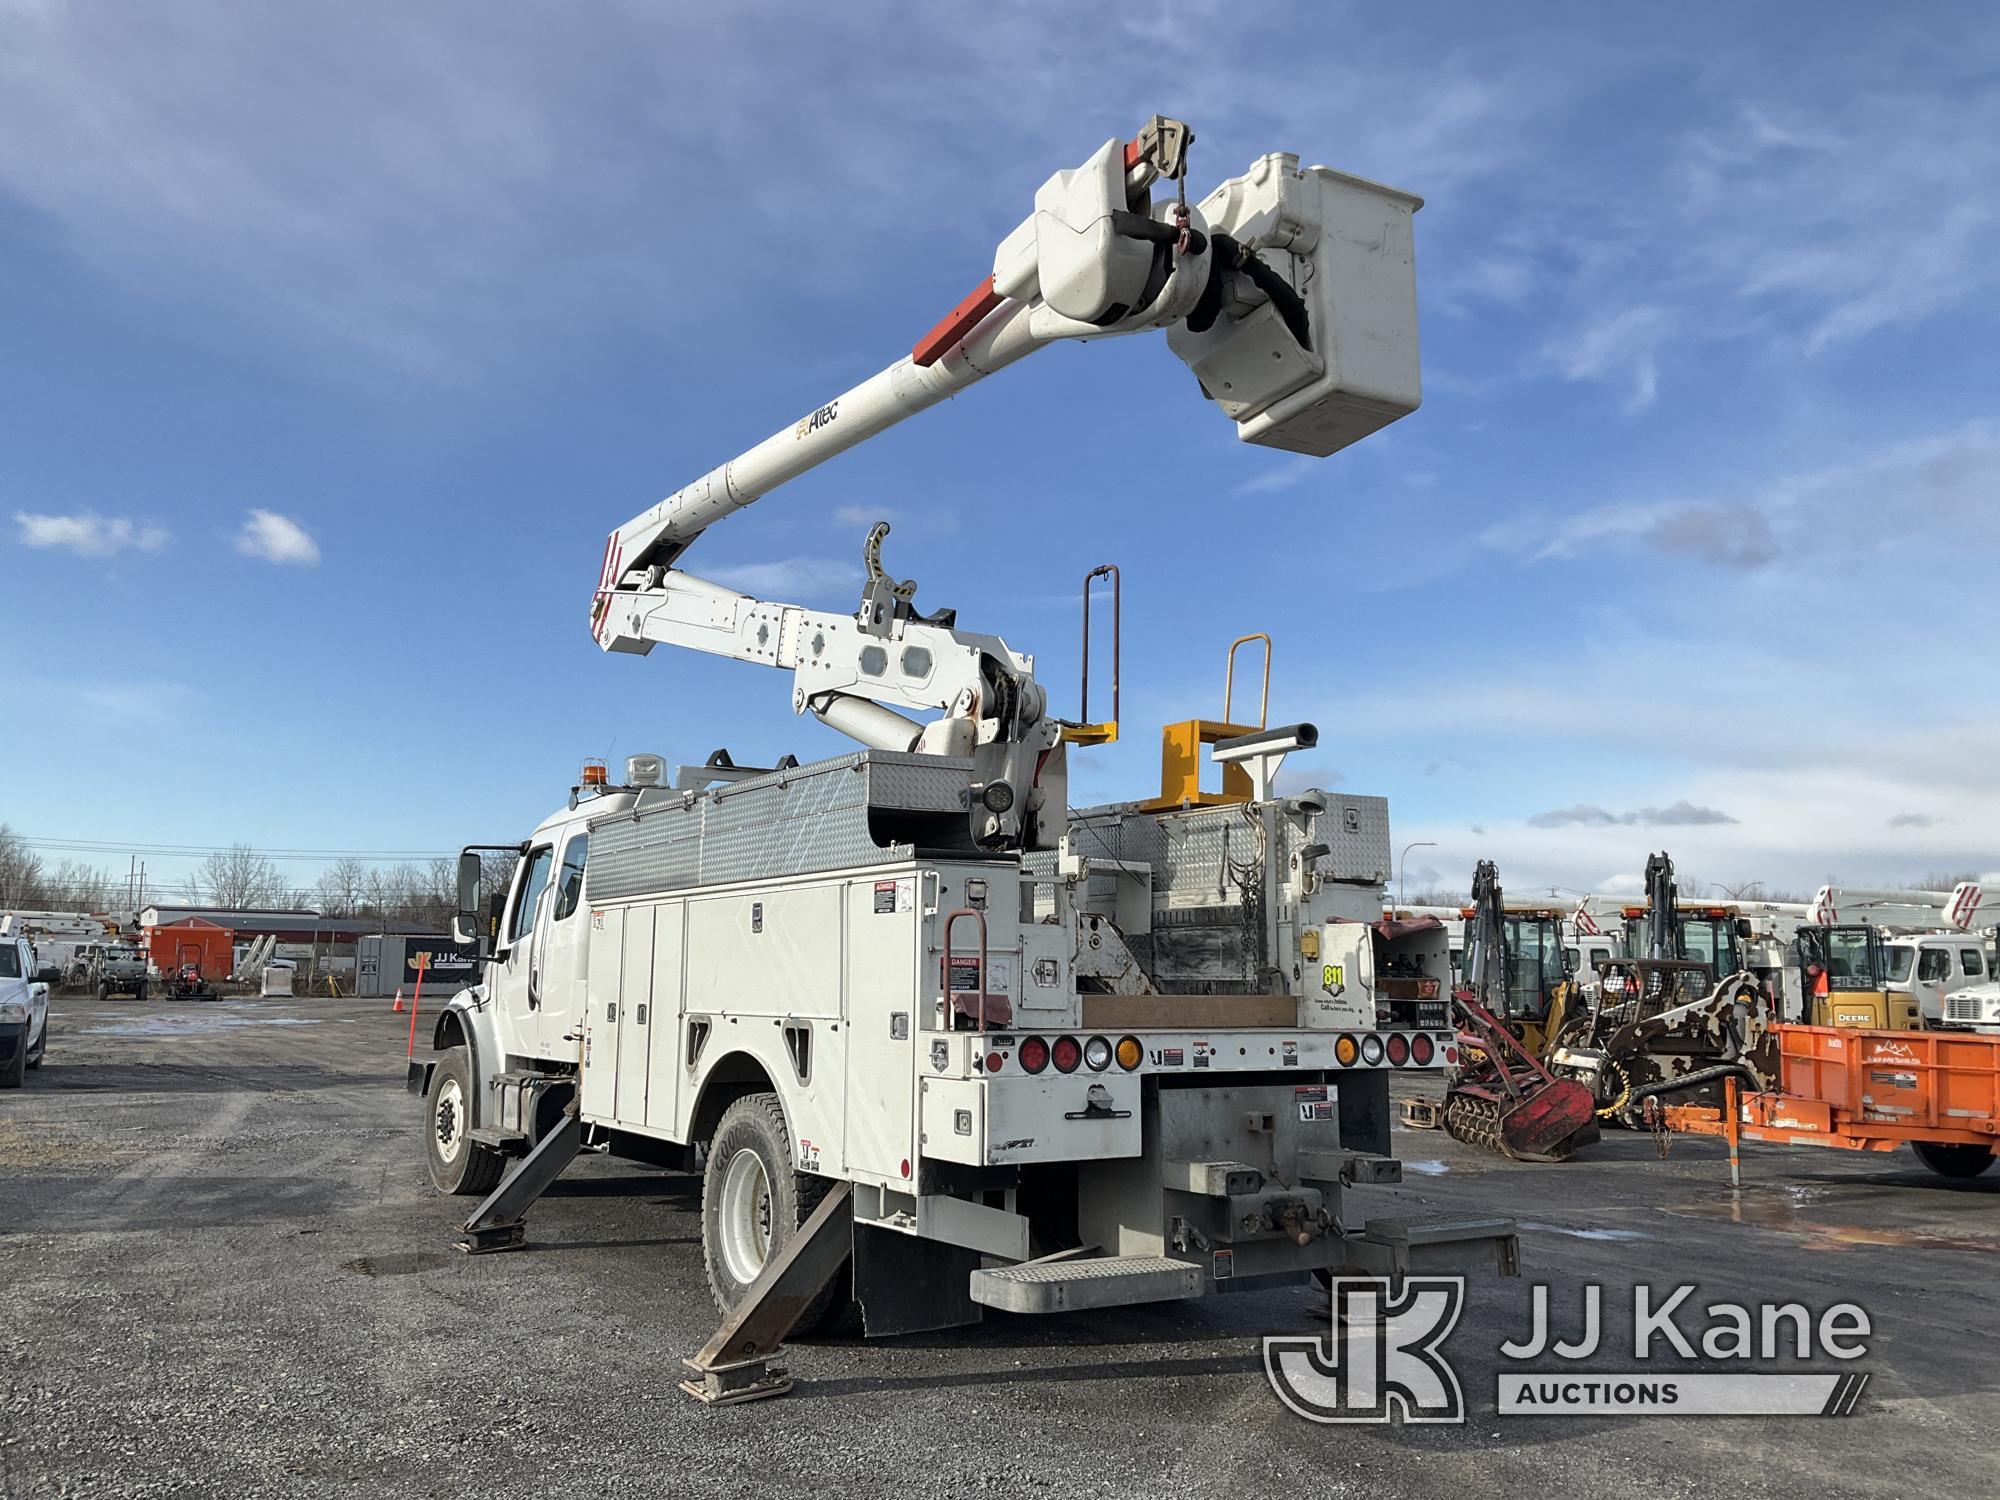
{"x": 1551, "y": 1122}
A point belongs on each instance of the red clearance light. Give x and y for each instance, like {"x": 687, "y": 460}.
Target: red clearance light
{"x": 1034, "y": 1055}
{"x": 1451, "y": 1056}
{"x": 1067, "y": 1054}
{"x": 1421, "y": 1051}
{"x": 1399, "y": 1048}
{"x": 995, "y": 1062}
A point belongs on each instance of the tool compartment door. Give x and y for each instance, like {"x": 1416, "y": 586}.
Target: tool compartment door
{"x": 603, "y": 1014}
{"x": 1340, "y": 988}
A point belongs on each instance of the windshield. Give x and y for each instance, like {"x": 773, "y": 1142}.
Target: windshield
{"x": 1534, "y": 964}
{"x": 1896, "y": 961}
{"x": 1847, "y": 958}
{"x": 1712, "y": 941}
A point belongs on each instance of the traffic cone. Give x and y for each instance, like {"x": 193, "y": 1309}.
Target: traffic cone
{"x": 398, "y": 1006}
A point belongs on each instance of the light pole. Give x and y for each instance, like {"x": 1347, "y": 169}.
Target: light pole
{"x": 1419, "y": 844}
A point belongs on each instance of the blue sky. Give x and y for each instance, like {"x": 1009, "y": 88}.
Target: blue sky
{"x": 336, "y": 338}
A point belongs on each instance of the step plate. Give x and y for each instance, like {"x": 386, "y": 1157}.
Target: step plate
{"x": 1434, "y": 1229}
{"x": 1067, "y": 1285}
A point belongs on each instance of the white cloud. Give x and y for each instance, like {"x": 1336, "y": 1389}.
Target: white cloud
{"x": 1933, "y": 494}
{"x": 277, "y": 539}
{"x": 1288, "y": 475}
{"x": 863, "y": 515}
{"x": 802, "y": 580}
{"x": 88, "y": 534}
{"x": 1621, "y": 348}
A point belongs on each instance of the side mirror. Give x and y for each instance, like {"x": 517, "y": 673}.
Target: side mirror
{"x": 465, "y": 932}
{"x": 468, "y": 884}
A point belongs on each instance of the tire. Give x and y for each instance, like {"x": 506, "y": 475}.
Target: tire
{"x": 753, "y": 1200}
{"x": 457, "y": 1163}
{"x": 103, "y": 990}
{"x": 14, "y": 1072}
{"x": 42, "y": 1050}
{"x": 1952, "y": 1160}
{"x": 142, "y": 992}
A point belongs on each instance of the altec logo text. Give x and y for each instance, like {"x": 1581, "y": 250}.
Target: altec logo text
{"x": 1383, "y": 1358}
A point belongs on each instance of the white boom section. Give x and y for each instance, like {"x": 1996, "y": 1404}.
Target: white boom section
{"x": 1292, "y": 295}
{"x": 1965, "y": 908}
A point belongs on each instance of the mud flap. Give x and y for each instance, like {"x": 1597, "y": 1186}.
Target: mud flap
{"x": 908, "y": 1285}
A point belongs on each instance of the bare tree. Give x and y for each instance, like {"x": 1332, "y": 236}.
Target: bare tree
{"x": 76, "y": 886}
{"x": 20, "y": 870}
{"x": 239, "y": 877}
{"x": 340, "y": 889}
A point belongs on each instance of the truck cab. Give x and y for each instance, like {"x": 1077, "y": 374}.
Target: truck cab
{"x": 24, "y": 1012}
{"x": 1929, "y": 967}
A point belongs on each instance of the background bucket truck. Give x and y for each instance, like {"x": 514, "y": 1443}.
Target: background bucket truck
{"x": 853, "y": 993}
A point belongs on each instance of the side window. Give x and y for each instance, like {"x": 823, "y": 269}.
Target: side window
{"x": 569, "y": 884}
{"x": 10, "y": 962}
{"x": 1970, "y": 959}
{"x": 532, "y": 885}
{"x": 1571, "y": 958}
{"x": 1934, "y": 965}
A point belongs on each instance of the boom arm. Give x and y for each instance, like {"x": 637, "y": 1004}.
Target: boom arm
{"x": 1290, "y": 293}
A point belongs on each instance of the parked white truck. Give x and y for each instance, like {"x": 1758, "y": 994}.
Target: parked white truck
{"x": 24, "y": 1013}
{"x": 904, "y": 1008}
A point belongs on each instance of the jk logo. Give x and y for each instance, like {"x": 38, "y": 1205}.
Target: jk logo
{"x": 1380, "y": 1356}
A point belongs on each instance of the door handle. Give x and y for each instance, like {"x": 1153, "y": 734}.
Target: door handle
{"x": 611, "y": 1010}
{"x": 642, "y": 1015}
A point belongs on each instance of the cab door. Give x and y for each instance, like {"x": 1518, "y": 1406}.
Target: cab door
{"x": 562, "y": 968}
{"x": 1931, "y": 979}
{"x": 512, "y": 976}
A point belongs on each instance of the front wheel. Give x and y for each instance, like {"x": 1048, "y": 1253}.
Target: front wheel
{"x": 142, "y": 992}
{"x": 14, "y": 1071}
{"x": 458, "y": 1164}
{"x": 1949, "y": 1160}
{"x": 753, "y": 1201}
{"x": 103, "y": 990}
{"x": 41, "y": 1045}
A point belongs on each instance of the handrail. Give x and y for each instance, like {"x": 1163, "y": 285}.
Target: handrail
{"x": 1229, "y": 680}
{"x": 952, "y": 995}
{"x": 1102, "y": 570}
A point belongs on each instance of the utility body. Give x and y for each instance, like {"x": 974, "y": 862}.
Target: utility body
{"x": 905, "y": 1008}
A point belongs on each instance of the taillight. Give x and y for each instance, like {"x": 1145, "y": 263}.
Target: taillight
{"x": 994, "y": 1062}
{"x": 1399, "y": 1048}
{"x": 1422, "y": 1051}
{"x": 1066, "y": 1053}
{"x": 1034, "y": 1055}
{"x": 1097, "y": 1054}
{"x": 1451, "y": 1056}
{"x": 1371, "y": 1050}
{"x": 1129, "y": 1052}
{"x": 1346, "y": 1050}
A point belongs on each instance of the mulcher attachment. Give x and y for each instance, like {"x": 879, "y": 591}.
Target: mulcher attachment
{"x": 1505, "y": 1100}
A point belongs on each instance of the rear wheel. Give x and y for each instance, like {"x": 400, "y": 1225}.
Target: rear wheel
{"x": 458, "y": 1164}
{"x": 753, "y": 1201}
{"x": 41, "y": 1045}
{"x": 1952, "y": 1160}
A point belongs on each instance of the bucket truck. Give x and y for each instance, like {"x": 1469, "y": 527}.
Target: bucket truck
{"x": 906, "y": 1011}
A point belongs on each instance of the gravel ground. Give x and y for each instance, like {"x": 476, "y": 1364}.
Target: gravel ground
{"x": 226, "y": 1275}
